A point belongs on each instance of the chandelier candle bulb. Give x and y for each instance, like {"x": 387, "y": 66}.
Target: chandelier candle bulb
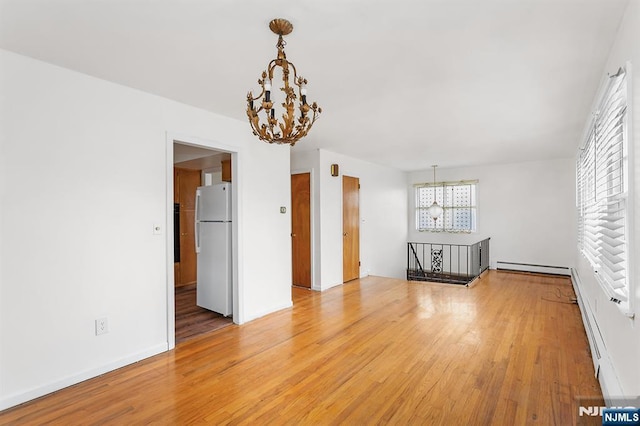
{"x": 303, "y": 93}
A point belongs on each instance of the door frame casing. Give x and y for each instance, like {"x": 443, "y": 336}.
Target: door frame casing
{"x": 236, "y": 229}
{"x": 312, "y": 212}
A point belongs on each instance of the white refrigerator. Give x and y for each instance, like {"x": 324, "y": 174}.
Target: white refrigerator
{"x": 213, "y": 248}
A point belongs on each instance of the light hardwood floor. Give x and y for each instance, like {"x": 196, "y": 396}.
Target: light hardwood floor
{"x": 510, "y": 350}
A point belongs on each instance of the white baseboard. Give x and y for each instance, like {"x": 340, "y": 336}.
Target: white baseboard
{"x": 21, "y": 397}
{"x": 528, "y": 267}
{"x": 271, "y": 310}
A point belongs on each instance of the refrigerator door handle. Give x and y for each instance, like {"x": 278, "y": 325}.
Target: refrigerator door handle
{"x": 197, "y": 215}
{"x": 196, "y": 226}
{"x": 197, "y": 236}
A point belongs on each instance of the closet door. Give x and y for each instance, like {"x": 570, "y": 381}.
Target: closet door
{"x": 301, "y": 229}
{"x": 350, "y": 228}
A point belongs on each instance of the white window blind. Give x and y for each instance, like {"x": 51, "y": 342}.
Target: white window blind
{"x": 602, "y": 192}
{"x": 458, "y": 199}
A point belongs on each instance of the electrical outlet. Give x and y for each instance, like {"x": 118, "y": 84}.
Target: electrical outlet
{"x": 102, "y": 326}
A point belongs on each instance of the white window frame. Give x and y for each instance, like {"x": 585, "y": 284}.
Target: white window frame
{"x": 602, "y": 212}
{"x": 448, "y": 209}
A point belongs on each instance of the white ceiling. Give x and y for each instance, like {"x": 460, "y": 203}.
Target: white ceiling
{"x": 406, "y": 83}
{"x": 196, "y": 158}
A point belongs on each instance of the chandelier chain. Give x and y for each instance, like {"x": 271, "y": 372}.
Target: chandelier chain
{"x": 281, "y": 43}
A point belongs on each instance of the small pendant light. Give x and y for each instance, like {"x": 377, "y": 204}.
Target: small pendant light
{"x": 435, "y": 210}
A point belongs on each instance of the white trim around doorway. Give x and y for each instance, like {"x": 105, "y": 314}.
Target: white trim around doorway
{"x": 236, "y": 246}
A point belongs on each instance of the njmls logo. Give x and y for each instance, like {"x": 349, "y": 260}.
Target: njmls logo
{"x": 591, "y": 411}
{"x": 613, "y": 414}
{"x": 620, "y": 411}
{"x": 628, "y": 416}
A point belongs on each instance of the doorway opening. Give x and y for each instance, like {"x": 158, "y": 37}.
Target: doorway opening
{"x": 195, "y": 167}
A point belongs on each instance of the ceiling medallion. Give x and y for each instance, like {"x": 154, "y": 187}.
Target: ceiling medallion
{"x": 290, "y": 128}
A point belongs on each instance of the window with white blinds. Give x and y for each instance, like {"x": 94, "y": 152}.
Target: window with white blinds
{"x": 602, "y": 195}
{"x": 458, "y": 199}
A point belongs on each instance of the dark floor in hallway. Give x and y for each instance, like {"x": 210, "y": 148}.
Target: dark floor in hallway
{"x": 191, "y": 319}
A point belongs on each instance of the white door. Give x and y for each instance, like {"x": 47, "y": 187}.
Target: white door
{"x": 213, "y": 202}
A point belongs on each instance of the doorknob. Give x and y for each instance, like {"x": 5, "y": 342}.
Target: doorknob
{"x": 293, "y": 235}
{"x": 344, "y": 235}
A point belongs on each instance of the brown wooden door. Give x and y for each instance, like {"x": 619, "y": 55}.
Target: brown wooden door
{"x": 301, "y": 229}
{"x": 185, "y": 183}
{"x": 350, "y": 228}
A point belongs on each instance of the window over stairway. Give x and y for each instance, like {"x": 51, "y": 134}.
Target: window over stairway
{"x": 458, "y": 199}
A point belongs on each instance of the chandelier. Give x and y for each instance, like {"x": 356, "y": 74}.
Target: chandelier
{"x": 290, "y": 128}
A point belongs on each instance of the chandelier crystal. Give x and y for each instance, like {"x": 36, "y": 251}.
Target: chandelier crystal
{"x": 290, "y": 127}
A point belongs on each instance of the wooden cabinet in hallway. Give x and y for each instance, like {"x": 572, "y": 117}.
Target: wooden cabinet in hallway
{"x": 185, "y": 182}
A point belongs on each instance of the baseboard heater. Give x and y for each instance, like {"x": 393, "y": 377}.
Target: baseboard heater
{"x": 604, "y": 369}
{"x": 585, "y": 312}
{"x": 530, "y": 267}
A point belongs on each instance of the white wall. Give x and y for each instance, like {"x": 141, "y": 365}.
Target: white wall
{"x": 510, "y": 210}
{"x": 215, "y": 176}
{"x": 83, "y": 177}
{"x": 621, "y": 335}
{"x": 383, "y": 213}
